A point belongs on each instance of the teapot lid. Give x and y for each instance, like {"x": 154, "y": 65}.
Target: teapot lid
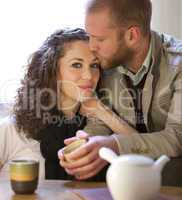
{"x": 135, "y": 159}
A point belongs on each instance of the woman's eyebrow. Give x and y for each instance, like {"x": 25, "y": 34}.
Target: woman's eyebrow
{"x": 81, "y": 60}
{"x": 78, "y": 59}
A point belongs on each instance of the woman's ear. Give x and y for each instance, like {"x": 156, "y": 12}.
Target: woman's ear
{"x": 132, "y": 36}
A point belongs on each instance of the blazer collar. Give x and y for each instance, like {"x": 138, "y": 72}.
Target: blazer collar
{"x": 152, "y": 76}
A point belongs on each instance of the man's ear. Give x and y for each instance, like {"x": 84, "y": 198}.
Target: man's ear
{"x": 132, "y": 36}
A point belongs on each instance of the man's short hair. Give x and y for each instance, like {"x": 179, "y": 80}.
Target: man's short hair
{"x": 126, "y": 12}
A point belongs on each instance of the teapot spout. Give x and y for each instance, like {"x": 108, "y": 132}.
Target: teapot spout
{"x": 160, "y": 163}
{"x": 107, "y": 154}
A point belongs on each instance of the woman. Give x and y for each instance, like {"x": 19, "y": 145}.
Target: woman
{"x": 61, "y": 75}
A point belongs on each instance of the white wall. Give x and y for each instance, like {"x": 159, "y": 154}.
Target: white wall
{"x": 180, "y": 19}
{"x": 167, "y": 16}
{"x": 24, "y": 26}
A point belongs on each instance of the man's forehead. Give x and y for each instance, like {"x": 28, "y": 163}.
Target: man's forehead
{"x": 98, "y": 22}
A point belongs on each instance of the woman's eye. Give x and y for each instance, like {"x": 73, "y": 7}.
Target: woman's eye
{"x": 95, "y": 65}
{"x": 76, "y": 65}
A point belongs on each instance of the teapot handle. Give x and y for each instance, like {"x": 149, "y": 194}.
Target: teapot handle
{"x": 107, "y": 154}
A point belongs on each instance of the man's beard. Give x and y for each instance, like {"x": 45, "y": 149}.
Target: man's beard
{"x": 122, "y": 57}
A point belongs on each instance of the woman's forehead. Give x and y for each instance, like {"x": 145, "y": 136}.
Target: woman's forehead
{"x": 78, "y": 48}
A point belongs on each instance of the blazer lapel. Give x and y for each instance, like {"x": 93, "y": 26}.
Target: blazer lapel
{"x": 147, "y": 96}
{"x": 153, "y": 73}
{"x": 127, "y": 102}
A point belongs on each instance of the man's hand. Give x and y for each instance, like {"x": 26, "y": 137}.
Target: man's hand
{"x": 87, "y": 161}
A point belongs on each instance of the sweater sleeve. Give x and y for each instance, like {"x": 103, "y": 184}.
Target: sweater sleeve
{"x": 96, "y": 127}
{"x": 166, "y": 141}
{"x": 15, "y": 145}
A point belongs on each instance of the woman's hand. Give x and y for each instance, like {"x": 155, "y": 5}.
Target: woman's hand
{"x": 79, "y": 135}
{"x": 92, "y": 108}
{"x": 86, "y": 160}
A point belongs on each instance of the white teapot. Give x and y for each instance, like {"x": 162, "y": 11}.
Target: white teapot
{"x": 133, "y": 177}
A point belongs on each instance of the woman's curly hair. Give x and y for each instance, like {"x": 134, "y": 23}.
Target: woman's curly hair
{"x": 34, "y": 97}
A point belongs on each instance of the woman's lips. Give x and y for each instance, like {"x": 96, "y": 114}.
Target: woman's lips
{"x": 86, "y": 87}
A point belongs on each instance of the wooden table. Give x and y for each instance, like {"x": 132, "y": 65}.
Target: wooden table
{"x": 65, "y": 190}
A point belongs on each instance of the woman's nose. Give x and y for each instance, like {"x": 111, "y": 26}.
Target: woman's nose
{"x": 87, "y": 74}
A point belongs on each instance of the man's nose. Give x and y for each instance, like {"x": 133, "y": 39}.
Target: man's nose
{"x": 93, "y": 44}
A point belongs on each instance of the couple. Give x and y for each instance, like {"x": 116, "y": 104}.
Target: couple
{"x": 141, "y": 80}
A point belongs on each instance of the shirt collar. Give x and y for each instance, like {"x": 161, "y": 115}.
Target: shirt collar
{"x": 136, "y": 78}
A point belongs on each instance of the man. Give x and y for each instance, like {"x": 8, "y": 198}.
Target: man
{"x": 143, "y": 74}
